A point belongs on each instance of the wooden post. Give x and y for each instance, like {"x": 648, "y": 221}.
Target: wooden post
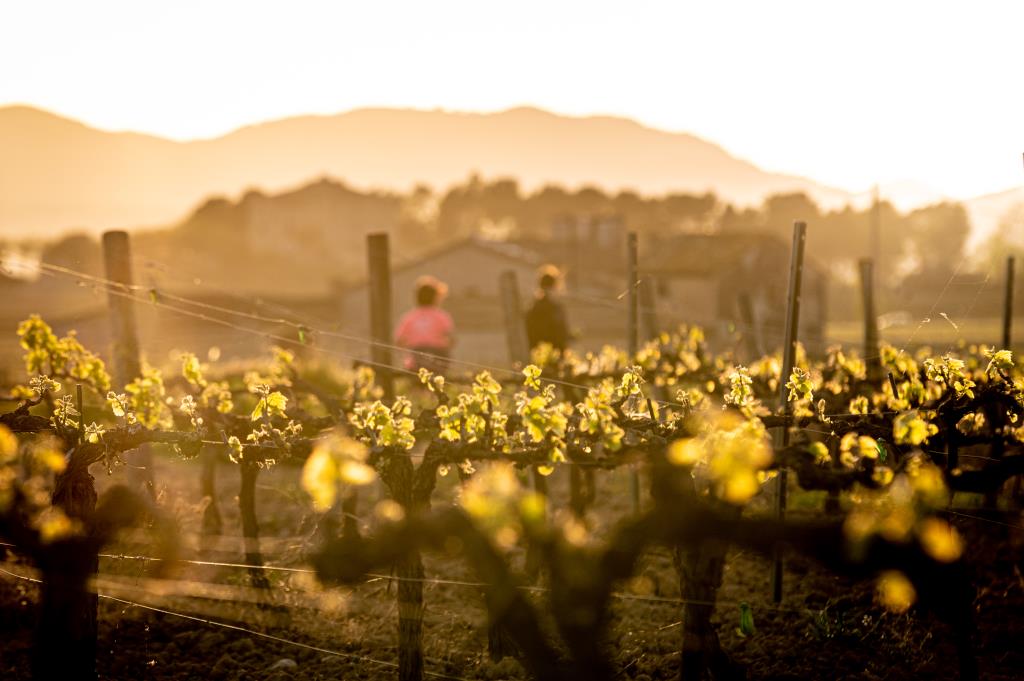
{"x": 867, "y": 296}
{"x": 632, "y": 332}
{"x": 64, "y": 643}
{"x": 248, "y": 472}
{"x": 632, "y": 320}
{"x": 379, "y": 262}
{"x": 118, "y": 261}
{"x": 399, "y": 475}
{"x": 212, "y": 523}
{"x": 515, "y": 331}
{"x": 126, "y": 365}
{"x": 796, "y": 266}
{"x": 1008, "y": 304}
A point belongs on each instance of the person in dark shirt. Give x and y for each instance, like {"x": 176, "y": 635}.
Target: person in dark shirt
{"x": 546, "y": 320}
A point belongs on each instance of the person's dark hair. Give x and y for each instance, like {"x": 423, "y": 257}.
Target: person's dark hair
{"x": 430, "y": 290}
{"x": 549, "y": 276}
{"x": 426, "y": 294}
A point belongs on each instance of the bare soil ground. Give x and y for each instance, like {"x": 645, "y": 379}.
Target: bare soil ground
{"x": 826, "y": 627}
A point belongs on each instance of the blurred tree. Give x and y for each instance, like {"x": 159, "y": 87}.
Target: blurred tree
{"x": 935, "y": 236}
{"x": 79, "y": 252}
{"x": 735, "y": 219}
{"x": 418, "y": 217}
{"x": 1006, "y": 240}
{"x": 460, "y": 211}
{"x": 467, "y": 207}
{"x": 782, "y": 210}
{"x": 689, "y": 212}
{"x": 501, "y": 200}
{"x": 844, "y": 236}
{"x": 639, "y": 215}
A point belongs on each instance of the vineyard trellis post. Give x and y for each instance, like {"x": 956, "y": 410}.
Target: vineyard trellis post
{"x": 796, "y": 266}
{"x": 997, "y": 450}
{"x": 1011, "y": 263}
{"x": 632, "y": 333}
{"x": 632, "y": 321}
{"x": 515, "y": 331}
{"x": 1008, "y": 303}
{"x": 379, "y": 266}
{"x": 873, "y": 363}
{"x": 117, "y": 261}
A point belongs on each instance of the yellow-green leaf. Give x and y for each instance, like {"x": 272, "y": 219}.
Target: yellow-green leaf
{"x": 320, "y": 478}
{"x": 356, "y": 473}
{"x": 8, "y": 445}
{"x": 895, "y": 591}
{"x": 686, "y": 452}
{"x": 940, "y": 540}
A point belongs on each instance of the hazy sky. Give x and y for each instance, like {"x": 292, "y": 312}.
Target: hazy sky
{"x": 847, "y": 93}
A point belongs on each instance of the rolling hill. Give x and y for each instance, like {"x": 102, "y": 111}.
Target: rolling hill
{"x": 57, "y": 174}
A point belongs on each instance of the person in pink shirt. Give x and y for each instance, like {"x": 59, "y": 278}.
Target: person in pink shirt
{"x": 427, "y": 330}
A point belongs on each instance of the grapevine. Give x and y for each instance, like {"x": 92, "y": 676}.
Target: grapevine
{"x": 698, "y": 422}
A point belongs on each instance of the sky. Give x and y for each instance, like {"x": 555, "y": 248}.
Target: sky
{"x": 847, "y": 93}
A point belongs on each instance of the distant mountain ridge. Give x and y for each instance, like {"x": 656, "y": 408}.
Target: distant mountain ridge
{"x": 57, "y": 174}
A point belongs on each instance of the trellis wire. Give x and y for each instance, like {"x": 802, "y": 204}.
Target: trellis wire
{"x": 298, "y": 343}
{"x": 250, "y": 632}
